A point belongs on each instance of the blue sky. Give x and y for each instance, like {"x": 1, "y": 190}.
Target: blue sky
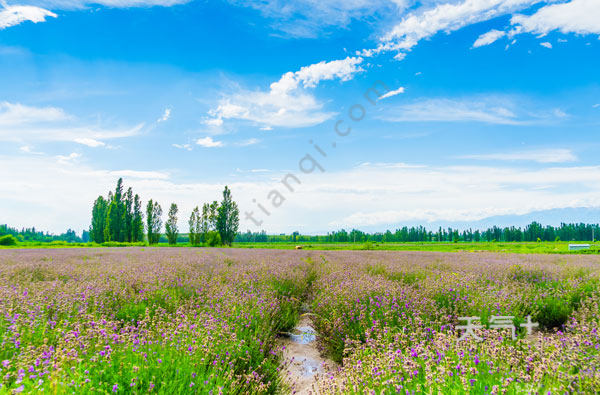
{"x": 492, "y": 109}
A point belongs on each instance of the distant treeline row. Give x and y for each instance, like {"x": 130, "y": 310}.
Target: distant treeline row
{"x": 533, "y": 232}
{"x": 32, "y": 234}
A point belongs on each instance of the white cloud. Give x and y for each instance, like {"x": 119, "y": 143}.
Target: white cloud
{"x": 488, "y": 38}
{"x": 245, "y": 143}
{"x": 89, "y": 142}
{"x": 154, "y": 175}
{"x": 392, "y": 93}
{"x": 22, "y": 123}
{"x": 166, "y": 115}
{"x": 546, "y": 44}
{"x": 214, "y": 122}
{"x": 487, "y": 109}
{"x": 576, "y": 16}
{"x": 466, "y": 193}
{"x": 310, "y": 76}
{"x": 186, "y": 147}
{"x": 12, "y": 15}
{"x": 287, "y": 103}
{"x": 208, "y": 142}
{"x": 68, "y": 158}
{"x": 56, "y": 192}
{"x": 54, "y": 196}
{"x": 29, "y": 150}
{"x": 540, "y": 156}
{"x": 597, "y": 105}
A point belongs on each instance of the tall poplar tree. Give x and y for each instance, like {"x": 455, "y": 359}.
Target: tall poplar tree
{"x": 138, "y": 220}
{"x": 195, "y": 227}
{"x": 153, "y": 221}
{"x": 171, "y": 225}
{"x": 98, "y": 220}
{"x": 205, "y": 222}
{"x": 228, "y": 220}
{"x": 150, "y": 221}
{"x": 129, "y": 216}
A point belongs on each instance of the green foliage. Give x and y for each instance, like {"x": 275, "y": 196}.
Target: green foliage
{"x": 171, "y": 225}
{"x": 153, "y": 221}
{"x": 553, "y": 312}
{"x": 228, "y": 218}
{"x": 99, "y": 211}
{"x": 117, "y": 218}
{"x": 137, "y": 228}
{"x": 8, "y": 240}
{"x": 195, "y": 233}
{"x": 213, "y": 238}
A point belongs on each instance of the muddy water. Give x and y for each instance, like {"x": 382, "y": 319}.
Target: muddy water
{"x": 304, "y": 364}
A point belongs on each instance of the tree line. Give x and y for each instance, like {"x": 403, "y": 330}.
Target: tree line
{"x": 119, "y": 218}
{"x": 532, "y": 232}
{"x": 34, "y": 235}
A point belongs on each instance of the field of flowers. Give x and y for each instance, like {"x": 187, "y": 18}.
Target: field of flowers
{"x": 178, "y": 320}
{"x": 391, "y": 320}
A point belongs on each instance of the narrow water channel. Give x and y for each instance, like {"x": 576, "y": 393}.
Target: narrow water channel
{"x": 304, "y": 364}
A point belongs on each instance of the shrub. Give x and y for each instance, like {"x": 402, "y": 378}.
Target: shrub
{"x": 367, "y": 246}
{"x": 213, "y": 239}
{"x": 553, "y": 313}
{"x": 8, "y": 240}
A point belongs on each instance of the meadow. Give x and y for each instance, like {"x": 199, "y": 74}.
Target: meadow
{"x": 183, "y": 320}
{"x": 546, "y": 247}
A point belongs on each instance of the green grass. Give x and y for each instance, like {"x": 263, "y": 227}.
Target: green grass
{"x": 518, "y": 248}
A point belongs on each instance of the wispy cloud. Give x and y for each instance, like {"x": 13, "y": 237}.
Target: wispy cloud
{"x": 59, "y": 195}
{"x": 29, "y": 150}
{"x": 29, "y": 124}
{"x": 152, "y": 175}
{"x": 82, "y": 4}
{"x": 392, "y": 93}
{"x": 245, "y": 143}
{"x": 89, "y": 142}
{"x": 487, "y": 109}
{"x": 540, "y": 156}
{"x": 426, "y": 21}
{"x": 309, "y": 18}
{"x": 186, "y": 147}
{"x": 14, "y": 114}
{"x": 546, "y": 44}
{"x": 166, "y": 115}
{"x": 65, "y": 159}
{"x": 488, "y": 38}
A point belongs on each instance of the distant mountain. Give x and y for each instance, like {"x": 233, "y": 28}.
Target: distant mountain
{"x": 547, "y": 217}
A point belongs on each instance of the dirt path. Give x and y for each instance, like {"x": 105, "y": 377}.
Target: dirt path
{"x": 304, "y": 364}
